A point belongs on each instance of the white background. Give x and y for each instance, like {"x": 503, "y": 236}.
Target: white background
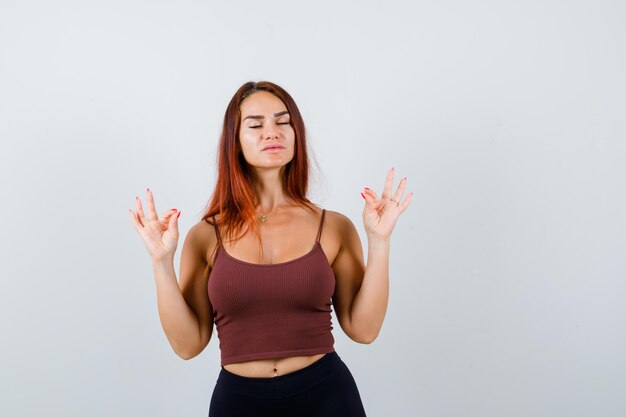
{"x": 507, "y": 118}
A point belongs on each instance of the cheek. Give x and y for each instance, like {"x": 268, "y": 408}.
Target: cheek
{"x": 246, "y": 144}
{"x": 246, "y": 139}
{"x": 291, "y": 135}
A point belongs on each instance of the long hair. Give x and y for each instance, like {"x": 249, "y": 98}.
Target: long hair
{"x": 233, "y": 201}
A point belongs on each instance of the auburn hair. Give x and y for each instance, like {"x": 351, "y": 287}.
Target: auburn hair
{"x": 231, "y": 207}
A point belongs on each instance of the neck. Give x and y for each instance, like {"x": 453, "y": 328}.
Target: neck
{"x": 269, "y": 191}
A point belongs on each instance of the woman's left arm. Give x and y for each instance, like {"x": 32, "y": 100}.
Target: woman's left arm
{"x": 361, "y": 304}
{"x": 370, "y": 302}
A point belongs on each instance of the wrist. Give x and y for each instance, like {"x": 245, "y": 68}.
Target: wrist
{"x": 378, "y": 239}
{"x": 163, "y": 260}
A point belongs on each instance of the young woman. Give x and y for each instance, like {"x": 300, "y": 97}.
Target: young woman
{"x": 264, "y": 265}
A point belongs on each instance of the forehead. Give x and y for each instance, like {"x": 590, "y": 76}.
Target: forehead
{"x": 261, "y": 103}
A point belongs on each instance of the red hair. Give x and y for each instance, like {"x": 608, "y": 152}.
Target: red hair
{"x": 233, "y": 200}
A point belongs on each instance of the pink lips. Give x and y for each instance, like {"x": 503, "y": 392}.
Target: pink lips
{"x": 273, "y": 148}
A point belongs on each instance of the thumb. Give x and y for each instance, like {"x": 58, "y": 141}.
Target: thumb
{"x": 369, "y": 200}
{"x": 173, "y": 223}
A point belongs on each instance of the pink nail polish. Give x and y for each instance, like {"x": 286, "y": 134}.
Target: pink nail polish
{"x": 178, "y": 214}
{"x": 363, "y": 196}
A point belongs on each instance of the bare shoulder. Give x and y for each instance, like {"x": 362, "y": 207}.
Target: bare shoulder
{"x": 203, "y": 238}
{"x": 339, "y": 233}
{"x": 339, "y": 223}
{"x": 199, "y": 235}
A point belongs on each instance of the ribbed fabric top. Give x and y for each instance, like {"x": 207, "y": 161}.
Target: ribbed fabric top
{"x": 272, "y": 310}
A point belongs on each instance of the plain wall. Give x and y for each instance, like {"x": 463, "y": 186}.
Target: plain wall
{"x": 506, "y": 271}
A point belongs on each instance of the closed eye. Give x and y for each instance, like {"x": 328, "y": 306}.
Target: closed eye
{"x": 254, "y": 127}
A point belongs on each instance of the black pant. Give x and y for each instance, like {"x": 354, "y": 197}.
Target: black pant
{"x": 325, "y": 388}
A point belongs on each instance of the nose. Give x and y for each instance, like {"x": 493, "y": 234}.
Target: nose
{"x": 270, "y": 131}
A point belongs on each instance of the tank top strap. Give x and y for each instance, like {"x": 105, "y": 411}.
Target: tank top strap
{"x": 319, "y": 231}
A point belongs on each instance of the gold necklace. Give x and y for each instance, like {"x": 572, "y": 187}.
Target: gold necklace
{"x": 263, "y": 217}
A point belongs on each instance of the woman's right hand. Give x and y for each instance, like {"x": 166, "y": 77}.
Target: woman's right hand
{"x": 160, "y": 236}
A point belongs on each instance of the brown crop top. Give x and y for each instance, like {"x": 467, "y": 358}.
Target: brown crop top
{"x": 272, "y": 310}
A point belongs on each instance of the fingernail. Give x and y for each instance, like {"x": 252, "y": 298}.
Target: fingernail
{"x": 367, "y": 188}
{"x": 363, "y": 196}
{"x": 147, "y": 189}
{"x": 178, "y": 214}
{"x": 173, "y": 209}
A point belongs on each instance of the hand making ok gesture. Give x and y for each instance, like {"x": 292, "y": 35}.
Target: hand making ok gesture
{"x": 381, "y": 214}
{"x": 159, "y": 235}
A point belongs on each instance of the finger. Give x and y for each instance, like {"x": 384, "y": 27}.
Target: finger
{"x": 140, "y": 215}
{"x": 406, "y": 202}
{"x": 135, "y": 222}
{"x": 173, "y": 224}
{"x": 166, "y": 218}
{"x": 388, "y": 184}
{"x": 371, "y": 192}
{"x": 167, "y": 214}
{"x": 151, "y": 207}
{"x": 377, "y": 201}
{"x": 400, "y": 191}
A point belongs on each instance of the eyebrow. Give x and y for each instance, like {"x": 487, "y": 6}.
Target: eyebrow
{"x": 280, "y": 113}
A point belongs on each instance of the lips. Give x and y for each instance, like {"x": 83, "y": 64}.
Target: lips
{"x": 267, "y": 148}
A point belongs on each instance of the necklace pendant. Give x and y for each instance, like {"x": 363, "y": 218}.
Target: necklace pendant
{"x": 262, "y": 218}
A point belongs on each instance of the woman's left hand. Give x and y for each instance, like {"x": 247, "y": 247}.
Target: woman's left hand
{"x": 380, "y": 215}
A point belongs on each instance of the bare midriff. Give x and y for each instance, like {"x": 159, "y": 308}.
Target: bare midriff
{"x": 269, "y": 368}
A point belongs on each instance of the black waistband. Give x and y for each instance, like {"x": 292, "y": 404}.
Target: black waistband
{"x": 284, "y": 385}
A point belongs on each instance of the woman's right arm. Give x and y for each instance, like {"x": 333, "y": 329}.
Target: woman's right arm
{"x": 184, "y": 308}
